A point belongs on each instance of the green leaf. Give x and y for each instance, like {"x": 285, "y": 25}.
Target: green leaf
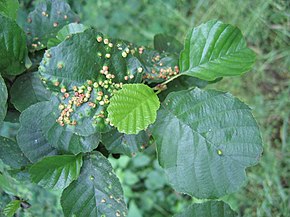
{"x": 11, "y": 154}
{"x": 46, "y": 20}
{"x": 166, "y": 43}
{"x": 97, "y": 192}
{"x": 86, "y": 79}
{"x": 11, "y": 208}
{"x": 28, "y": 90}
{"x": 116, "y": 142}
{"x": 30, "y": 137}
{"x": 215, "y": 138}
{"x": 7, "y": 184}
{"x": 56, "y": 172}
{"x": 133, "y": 108}
{"x": 65, "y": 33}
{"x": 3, "y": 99}
{"x": 208, "y": 209}
{"x": 10, "y": 126}
{"x": 9, "y": 8}
{"x": 215, "y": 49}
{"x": 13, "y": 47}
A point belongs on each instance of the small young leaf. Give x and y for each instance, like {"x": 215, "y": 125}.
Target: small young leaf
{"x": 205, "y": 140}
{"x": 11, "y": 154}
{"x": 96, "y": 193}
{"x": 11, "y": 208}
{"x": 13, "y": 47}
{"x": 208, "y": 209}
{"x": 56, "y": 172}
{"x": 46, "y": 20}
{"x": 133, "y": 108}
{"x": 3, "y": 99}
{"x": 9, "y": 8}
{"x": 28, "y": 90}
{"x": 215, "y": 49}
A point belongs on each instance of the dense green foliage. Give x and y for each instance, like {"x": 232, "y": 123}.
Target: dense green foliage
{"x": 204, "y": 138}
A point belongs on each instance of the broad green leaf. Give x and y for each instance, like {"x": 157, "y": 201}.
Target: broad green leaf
{"x": 208, "y": 209}
{"x": 133, "y": 108}
{"x": 28, "y": 90}
{"x": 46, "y": 20}
{"x": 7, "y": 184}
{"x": 205, "y": 140}
{"x": 3, "y": 99}
{"x": 11, "y": 208}
{"x": 13, "y": 47}
{"x": 116, "y": 142}
{"x": 56, "y": 172}
{"x": 11, "y": 154}
{"x": 38, "y": 124}
{"x": 9, "y": 8}
{"x": 86, "y": 79}
{"x": 96, "y": 193}
{"x": 215, "y": 49}
{"x": 30, "y": 138}
{"x": 65, "y": 33}
{"x": 166, "y": 43}
{"x": 10, "y": 126}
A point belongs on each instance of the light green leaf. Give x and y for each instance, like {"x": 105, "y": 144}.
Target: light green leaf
{"x": 208, "y": 209}
{"x": 28, "y": 90}
{"x": 3, "y": 99}
{"x": 11, "y": 208}
{"x": 56, "y": 172}
{"x": 205, "y": 140}
{"x": 133, "y": 108}
{"x": 9, "y": 8}
{"x": 7, "y": 184}
{"x": 11, "y": 154}
{"x": 13, "y": 47}
{"x": 116, "y": 142}
{"x": 46, "y": 20}
{"x": 96, "y": 193}
{"x": 215, "y": 49}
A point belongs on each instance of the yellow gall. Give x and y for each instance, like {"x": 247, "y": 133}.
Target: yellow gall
{"x": 106, "y": 41}
{"x": 99, "y": 39}
{"x": 124, "y": 54}
{"x": 55, "y": 24}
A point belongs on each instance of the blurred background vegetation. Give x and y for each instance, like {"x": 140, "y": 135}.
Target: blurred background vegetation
{"x": 266, "y": 26}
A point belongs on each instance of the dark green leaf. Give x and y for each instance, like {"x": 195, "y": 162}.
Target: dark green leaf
{"x": 11, "y": 208}
{"x": 208, "y": 209}
{"x": 30, "y": 138}
{"x": 116, "y": 142}
{"x": 133, "y": 108}
{"x": 11, "y": 154}
{"x": 46, "y": 20}
{"x": 56, "y": 172}
{"x": 215, "y": 49}
{"x": 9, "y": 8}
{"x": 13, "y": 47}
{"x": 97, "y": 192}
{"x": 28, "y": 90}
{"x": 205, "y": 140}
{"x": 3, "y": 99}
{"x": 166, "y": 43}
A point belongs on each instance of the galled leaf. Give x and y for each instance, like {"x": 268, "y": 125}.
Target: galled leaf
{"x": 56, "y": 172}
{"x": 133, "y": 108}
{"x": 96, "y": 193}
{"x": 215, "y": 49}
{"x": 205, "y": 140}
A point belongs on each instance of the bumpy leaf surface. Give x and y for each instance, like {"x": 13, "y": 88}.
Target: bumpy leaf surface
{"x": 215, "y": 49}
{"x": 46, "y": 20}
{"x": 56, "y": 172}
{"x": 3, "y": 99}
{"x": 205, "y": 140}
{"x": 28, "y": 90}
{"x": 96, "y": 193}
{"x": 13, "y": 47}
{"x": 133, "y": 108}
{"x": 208, "y": 209}
{"x": 11, "y": 154}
